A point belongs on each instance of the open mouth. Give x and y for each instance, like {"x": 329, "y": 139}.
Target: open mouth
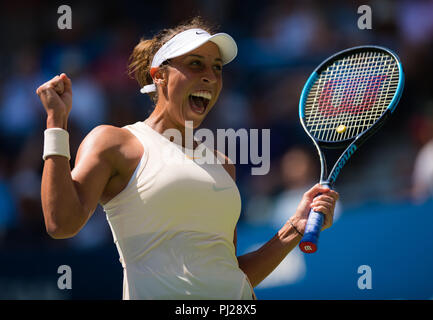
{"x": 199, "y": 100}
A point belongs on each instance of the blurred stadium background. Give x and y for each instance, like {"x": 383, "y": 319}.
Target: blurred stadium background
{"x": 385, "y": 214}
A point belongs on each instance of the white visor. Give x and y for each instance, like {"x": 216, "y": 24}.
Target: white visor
{"x": 188, "y": 41}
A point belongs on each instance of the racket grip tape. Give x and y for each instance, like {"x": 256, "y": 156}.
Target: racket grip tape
{"x": 310, "y": 239}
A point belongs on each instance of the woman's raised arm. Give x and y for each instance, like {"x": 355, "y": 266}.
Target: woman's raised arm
{"x": 70, "y": 198}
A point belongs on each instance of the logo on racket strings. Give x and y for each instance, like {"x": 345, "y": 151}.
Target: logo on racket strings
{"x": 339, "y": 95}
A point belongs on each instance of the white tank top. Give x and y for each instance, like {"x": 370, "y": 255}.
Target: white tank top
{"x": 173, "y": 226}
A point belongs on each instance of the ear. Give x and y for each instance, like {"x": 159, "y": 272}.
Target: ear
{"x": 158, "y": 75}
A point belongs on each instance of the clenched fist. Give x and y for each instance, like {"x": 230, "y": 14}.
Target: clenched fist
{"x": 56, "y": 97}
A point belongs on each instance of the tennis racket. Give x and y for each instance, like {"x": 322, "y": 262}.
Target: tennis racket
{"x": 344, "y": 101}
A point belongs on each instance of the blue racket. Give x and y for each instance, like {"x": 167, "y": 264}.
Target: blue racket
{"x": 345, "y": 100}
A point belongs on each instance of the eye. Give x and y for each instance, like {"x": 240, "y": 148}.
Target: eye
{"x": 196, "y": 63}
{"x": 218, "y": 67}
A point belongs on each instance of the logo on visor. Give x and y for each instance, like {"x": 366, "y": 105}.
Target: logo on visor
{"x": 200, "y": 32}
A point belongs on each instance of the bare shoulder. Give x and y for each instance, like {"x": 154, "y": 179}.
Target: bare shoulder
{"x": 110, "y": 154}
{"x": 117, "y": 147}
{"x": 227, "y": 164}
{"x": 108, "y": 141}
{"x": 106, "y": 137}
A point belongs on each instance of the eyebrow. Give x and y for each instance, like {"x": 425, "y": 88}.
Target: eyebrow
{"x": 199, "y": 56}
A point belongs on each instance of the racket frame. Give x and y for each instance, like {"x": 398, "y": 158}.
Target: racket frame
{"x": 309, "y": 242}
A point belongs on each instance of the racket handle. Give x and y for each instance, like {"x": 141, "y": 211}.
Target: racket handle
{"x": 310, "y": 239}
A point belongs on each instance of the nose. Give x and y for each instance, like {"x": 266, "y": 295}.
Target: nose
{"x": 209, "y": 77}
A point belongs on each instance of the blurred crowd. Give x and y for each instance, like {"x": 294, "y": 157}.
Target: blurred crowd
{"x": 280, "y": 43}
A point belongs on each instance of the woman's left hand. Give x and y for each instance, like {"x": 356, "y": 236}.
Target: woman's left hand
{"x": 324, "y": 203}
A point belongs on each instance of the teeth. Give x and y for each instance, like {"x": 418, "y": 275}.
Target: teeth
{"x": 202, "y": 94}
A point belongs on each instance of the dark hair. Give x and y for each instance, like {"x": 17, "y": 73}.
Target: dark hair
{"x": 142, "y": 55}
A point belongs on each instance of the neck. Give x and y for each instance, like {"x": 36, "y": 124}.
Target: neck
{"x": 160, "y": 121}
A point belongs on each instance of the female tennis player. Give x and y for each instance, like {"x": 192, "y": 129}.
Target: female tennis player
{"x": 174, "y": 223}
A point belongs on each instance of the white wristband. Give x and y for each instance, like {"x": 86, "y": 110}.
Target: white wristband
{"x": 56, "y": 142}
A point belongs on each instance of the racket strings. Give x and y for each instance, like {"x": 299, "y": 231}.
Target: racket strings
{"x": 350, "y": 95}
